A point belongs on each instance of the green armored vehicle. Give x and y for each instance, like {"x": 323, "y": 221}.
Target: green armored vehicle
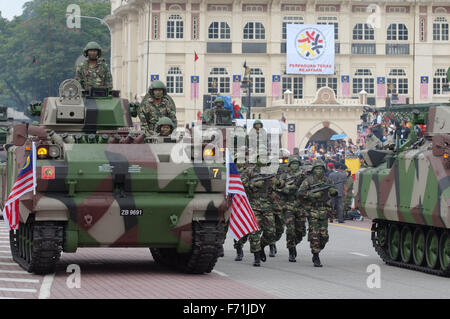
{"x": 405, "y": 190}
{"x": 99, "y": 184}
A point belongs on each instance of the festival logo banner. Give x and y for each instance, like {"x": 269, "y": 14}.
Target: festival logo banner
{"x": 310, "y": 49}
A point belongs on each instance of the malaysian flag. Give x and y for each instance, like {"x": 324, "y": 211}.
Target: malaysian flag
{"x": 236, "y": 86}
{"x": 242, "y": 219}
{"x": 345, "y": 85}
{"x": 381, "y": 87}
{"x": 276, "y": 90}
{"x": 194, "y": 86}
{"x": 25, "y": 182}
{"x": 423, "y": 87}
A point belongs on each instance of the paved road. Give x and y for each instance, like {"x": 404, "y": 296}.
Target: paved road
{"x": 132, "y": 273}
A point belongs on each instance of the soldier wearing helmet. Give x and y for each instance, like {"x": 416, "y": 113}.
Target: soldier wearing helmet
{"x": 94, "y": 72}
{"x": 218, "y": 114}
{"x": 293, "y": 213}
{"x": 155, "y": 106}
{"x": 257, "y": 136}
{"x": 315, "y": 192}
{"x": 165, "y": 126}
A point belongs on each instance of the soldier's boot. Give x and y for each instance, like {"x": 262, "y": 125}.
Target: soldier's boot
{"x": 273, "y": 250}
{"x": 263, "y": 255}
{"x": 292, "y": 254}
{"x": 239, "y": 254}
{"x": 220, "y": 252}
{"x": 316, "y": 260}
{"x": 257, "y": 261}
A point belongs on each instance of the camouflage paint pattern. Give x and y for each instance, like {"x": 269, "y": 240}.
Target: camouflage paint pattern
{"x": 416, "y": 189}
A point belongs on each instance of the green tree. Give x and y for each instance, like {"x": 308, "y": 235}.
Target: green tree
{"x": 38, "y": 51}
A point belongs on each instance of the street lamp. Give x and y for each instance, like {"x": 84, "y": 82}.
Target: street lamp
{"x": 110, "y": 34}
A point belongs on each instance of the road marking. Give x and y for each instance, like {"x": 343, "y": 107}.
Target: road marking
{"x": 8, "y": 264}
{"x": 9, "y": 298}
{"x": 15, "y": 272}
{"x": 6, "y": 257}
{"x": 3, "y": 246}
{"x": 359, "y": 254}
{"x": 18, "y": 290}
{"x": 220, "y": 273}
{"x": 34, "y": 281}
{"x": 4, "y": 241}
{"x": 346, "y": 226}
{"x": 44, "y": 292}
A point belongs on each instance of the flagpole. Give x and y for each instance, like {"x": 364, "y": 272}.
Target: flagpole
{"x": 33, "y": 150}
{"x": 195, "y": 95}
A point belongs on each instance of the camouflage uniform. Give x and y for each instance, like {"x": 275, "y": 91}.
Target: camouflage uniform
{"x": 319, "y": 209}
{"x": 261, "y": 206}
{"x": 349, "y": 195}
{"x": 225, "y": 117}
{"x": 294, "y": 215}
{"x": 150, "y": 112}
{"x": 97, "y": 75}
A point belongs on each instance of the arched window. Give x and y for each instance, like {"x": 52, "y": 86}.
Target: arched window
{"x": 174, "y": 80}
{"x": 363, "y": 80}
{"x": 363, "y": 32}
{"x": 397, "y": 82}
{"x": 328, "y": 81}
{"x": 218, "y": 81}
{"x": 175, "y": 27}
{"x": 397, "y": 32}
{"x": 439, "y": 81}
{"x": 254, "y": 31}
{"x": 440, "y": 29}
{"x": 219, "y": 30}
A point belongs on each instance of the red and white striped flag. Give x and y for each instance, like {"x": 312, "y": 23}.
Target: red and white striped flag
{"x": 242, "y": 219}
{"x": 25, "y": 182}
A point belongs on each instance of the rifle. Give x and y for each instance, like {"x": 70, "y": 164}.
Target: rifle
{"x": 319, "y": 187}
{"x": 257, "y": 179}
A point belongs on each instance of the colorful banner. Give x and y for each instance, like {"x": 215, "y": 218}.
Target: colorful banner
{"x": 310, "y": 49}
{"x": 381, "y": 87}
{"x": 276, "y": 89}
{"x": 236, "y": 86}
{"x": 424, "y": 87}
{"x": 194, "y": 87}
{"x": 345, "y": 85}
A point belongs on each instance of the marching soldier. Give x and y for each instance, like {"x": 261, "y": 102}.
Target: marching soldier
{"x": 294, "y": 215}
{"x": 315, "y": 190}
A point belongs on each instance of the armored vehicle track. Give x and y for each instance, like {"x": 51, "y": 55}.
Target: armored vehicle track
{"x": 411, "y": 246}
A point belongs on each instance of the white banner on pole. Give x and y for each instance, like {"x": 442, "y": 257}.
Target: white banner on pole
{"x": 310, "y": 49}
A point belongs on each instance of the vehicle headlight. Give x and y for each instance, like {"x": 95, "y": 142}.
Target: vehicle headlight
{"x": 54, "y": 151}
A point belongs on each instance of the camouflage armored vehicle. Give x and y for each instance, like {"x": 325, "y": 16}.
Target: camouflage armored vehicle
{"x": 405, "y": 190}
{"x": 99, "y": 184}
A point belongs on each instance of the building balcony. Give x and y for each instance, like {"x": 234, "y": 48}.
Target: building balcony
{"x": 364, "y": 48}
{"x": 397, "y": 49}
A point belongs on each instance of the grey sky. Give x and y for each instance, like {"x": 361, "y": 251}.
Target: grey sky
{"x": 11, "y": 8}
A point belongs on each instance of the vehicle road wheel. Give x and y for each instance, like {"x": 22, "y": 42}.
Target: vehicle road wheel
{"x": 394, "y": 242}
{"x": 382, "y": 234}
{"x": 444, "y": 250}
{"x": 418, "y": 246}
{"x": 432, "y": 249}
{"x": 406, "y": 244}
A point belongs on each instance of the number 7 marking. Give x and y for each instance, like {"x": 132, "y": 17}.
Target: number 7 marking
{"x": 216, "y": 171}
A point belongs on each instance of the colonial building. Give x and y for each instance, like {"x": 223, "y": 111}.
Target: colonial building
{"x": 382, "y": 47}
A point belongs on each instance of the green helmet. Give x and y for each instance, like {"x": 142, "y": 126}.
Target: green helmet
{"x": 165, "y": 121}
{"x": 257, "y": 122}
{"x": 318, "y": 163}
{"x": 92, "y": 46}
{"x": 157, "y": 84}
{"x": 293, "y": 159}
